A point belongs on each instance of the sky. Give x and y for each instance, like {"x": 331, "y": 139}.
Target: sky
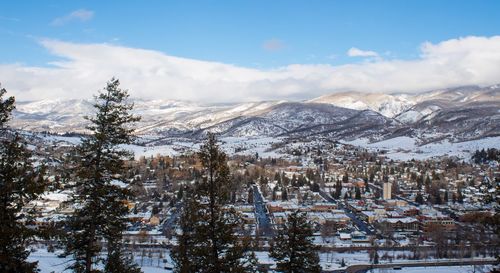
{"x": 226, "y": 51}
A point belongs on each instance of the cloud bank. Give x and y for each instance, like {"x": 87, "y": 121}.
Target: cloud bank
{"x": 82, "y": 69}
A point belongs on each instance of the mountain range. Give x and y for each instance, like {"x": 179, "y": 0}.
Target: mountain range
{"x": 456, "y": 114}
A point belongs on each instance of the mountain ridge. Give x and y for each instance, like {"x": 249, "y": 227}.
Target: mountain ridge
{"x": 459, "y": 114}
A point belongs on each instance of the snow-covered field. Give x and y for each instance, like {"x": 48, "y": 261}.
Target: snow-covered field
{"x": 439, "y": 269}
{"x": 49, "y": 262}
{"x": 406, "y": 148}
{"x": 399, "y": 148}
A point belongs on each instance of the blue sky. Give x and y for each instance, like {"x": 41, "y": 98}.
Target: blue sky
{"x": 246, "y": 50}
{"x": 236, "y": 32}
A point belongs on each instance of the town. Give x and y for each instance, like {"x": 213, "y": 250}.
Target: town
{"x": 364, "y": 207}
{"x": 220, "y": 136}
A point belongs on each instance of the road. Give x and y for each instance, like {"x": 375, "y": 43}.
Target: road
{"x": 354, "y": 218}
{"x": 452, "y": 262}
{"x": 168, "y": 224}
{"x": 264, "y": 222}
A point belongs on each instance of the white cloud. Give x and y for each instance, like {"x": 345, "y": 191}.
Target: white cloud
{"x": 84, "y": 68}
{"x": 356, "y": 52}
{"x": 81, "y": 15}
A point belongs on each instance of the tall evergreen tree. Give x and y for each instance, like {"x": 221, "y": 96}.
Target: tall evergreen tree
{"x": 20, "y": 183}
{"x": 284, "y": 194}
{"x": 292, "y": 249}
{"x": 208, "y": 242}
{"x": 367, "y": 186}
{"x": 357, "y": 193}
{"x": 185, "y": 255}
{"x": 100, "y": 188}
{"x": 338, "y": 189}
{"x": 419, "y": 199}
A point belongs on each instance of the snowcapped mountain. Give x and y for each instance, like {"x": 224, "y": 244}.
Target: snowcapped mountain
{"x": 385, "y": 104}
{"x": 457, "y": 114}
{"x": 303, "y": 119}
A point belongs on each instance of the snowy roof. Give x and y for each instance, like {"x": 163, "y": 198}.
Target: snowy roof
{"x": 345, "y": 236}
{"x": 55, "y": 196}
{"x": 118, "y": 183}
{"x": 402, "y": 220}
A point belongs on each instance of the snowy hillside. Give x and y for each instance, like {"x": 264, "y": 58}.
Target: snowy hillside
{"x": 387, "y": 105}
{"x": 457, "y": 114}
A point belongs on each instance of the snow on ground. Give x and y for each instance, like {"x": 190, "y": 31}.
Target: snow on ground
{"x": 438, "y": 269}
{"x": 250, "y": 145}
{"x": 231, "y": 145}
{"x": 398, "y": 148}
{"x": 148, "y": 151}
{"x": 56, "y": 196}
{"x": 49, "y": 262}
{"x": 175, "y": 148}
{"x": 406, "y": 148}
{"x": 69, "y": 140}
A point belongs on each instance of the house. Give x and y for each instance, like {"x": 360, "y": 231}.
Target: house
{"x": 428, "y": 220}
{"x": 154, "y": 220}
{"x": 401, "y": 224}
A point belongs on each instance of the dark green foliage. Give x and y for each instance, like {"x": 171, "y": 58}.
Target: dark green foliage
{"x": 284, "y": 195}
{"x": 419, "y": 199}
{"x": 358, "y": 193}
{"x": 460, "y": 196}
{"x": 20, "y": 183}
{"x": 184, "y": 254}
{"x": 376, "y": 257}
{"x": 208, "y": 242}
{"x": 437, "y": 198}
{"x": 315, "y": 187}
{"x": 6, "y": 107}
{"x": 100, "y": 190}
{"x": 338, "y": 189}
{"x": 484, "y": 156}
{"x": 250, "y": 195}
{"x": 292, "y": 249}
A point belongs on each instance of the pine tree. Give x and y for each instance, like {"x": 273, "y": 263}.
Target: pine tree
{"x": 250, "y": 195}
{"x": 357, "y": 193}
{"x": 460, "y": 196}
{"x": 251, "y": 264}
{"x": 376, "y": 257}
{"x": 208, "y": 242}
{"x": 437, "y": 199}
{"x": 100, "y": 189}
{"x": 338, "y": 189}
{"x": 292, "y": 249}
{"x": 419, "y": 199}
{"x": 20, "y": 183}
{"x": 284, "y": 195}
{"x": 185, "y": 255}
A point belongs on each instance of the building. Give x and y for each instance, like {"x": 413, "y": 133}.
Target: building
{"x": 387, "y": 191}
{"x": 427, "y": 222}
{"x": 401, "y": 224}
